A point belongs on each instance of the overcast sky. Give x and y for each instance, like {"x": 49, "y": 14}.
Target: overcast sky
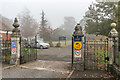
{"x": 55, "y": 10}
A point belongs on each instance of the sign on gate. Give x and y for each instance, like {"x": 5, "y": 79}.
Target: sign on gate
{"x": 77, "y": 38}
{"x": 77, "y": 53}
{"x": 77, "y": 46}
{"x": 13, "y": 47}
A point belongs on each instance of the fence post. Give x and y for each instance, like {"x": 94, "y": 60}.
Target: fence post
{"x": 15, "y": 46}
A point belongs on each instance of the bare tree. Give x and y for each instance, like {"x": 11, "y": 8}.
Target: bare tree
{"x": 28, "y": 24}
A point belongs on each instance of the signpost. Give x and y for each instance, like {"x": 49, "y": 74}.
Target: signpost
{"x": 62, "y": 38}
{"x": 13, "y": 47}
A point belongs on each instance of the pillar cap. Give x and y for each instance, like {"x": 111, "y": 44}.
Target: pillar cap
{"x": 15, "y": 31}
{"x": 78, "y": 30}
{"x": 113, "y": 25}
{"x": 113, "y": 32}
{"x": 15, "y": 24}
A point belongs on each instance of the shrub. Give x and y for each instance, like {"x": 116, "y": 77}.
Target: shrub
{"x": 50, "y": 43}
{"x": 58, "y": 44}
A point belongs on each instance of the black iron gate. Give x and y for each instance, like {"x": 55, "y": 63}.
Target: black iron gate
{"x": 6, "y": 50}
{"x": 28, "y": 50}
{"x": 96, "y": 54}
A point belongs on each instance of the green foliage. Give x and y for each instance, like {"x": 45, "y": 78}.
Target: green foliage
{"x": 25, "y": 51}
{"x": 101, "y": 54}
{"x": 91, "y": 27}
{"x": 105, "y": 27}
{"x": 99, "y": 18}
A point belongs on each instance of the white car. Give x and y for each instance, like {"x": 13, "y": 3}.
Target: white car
{"x": 42, "y": 45}
{"x": 39, "y": 44}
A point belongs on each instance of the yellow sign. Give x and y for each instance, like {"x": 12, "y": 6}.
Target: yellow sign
{"x": 77, "y": 45}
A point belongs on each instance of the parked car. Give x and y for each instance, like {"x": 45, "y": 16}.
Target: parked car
{"x": 38, "y": 44}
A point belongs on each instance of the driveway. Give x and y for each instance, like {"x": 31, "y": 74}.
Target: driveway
{"x": 51, "y": 63}
{"x": 56, "y": 54}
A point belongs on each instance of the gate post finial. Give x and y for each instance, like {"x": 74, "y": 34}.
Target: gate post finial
{"x": 78, "y": 30}
{"x": 15, "y": 31}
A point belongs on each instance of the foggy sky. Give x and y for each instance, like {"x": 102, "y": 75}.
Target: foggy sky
{"x": 55, "y": 10}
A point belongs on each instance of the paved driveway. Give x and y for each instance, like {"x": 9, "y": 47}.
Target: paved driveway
{"x": 51, "y": 63}
{"x": 56, "y": 54}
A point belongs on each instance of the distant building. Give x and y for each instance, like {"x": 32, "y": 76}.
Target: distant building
{"x": 5, "y": 31}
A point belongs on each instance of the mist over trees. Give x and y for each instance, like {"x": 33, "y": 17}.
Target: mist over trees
{"x": 66, "y": 29}
{"x": 28, "y": 25}
{"x": 69, "y": 24}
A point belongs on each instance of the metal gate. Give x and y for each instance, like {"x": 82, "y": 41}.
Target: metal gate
{"x": 28, "y": 50}
{"x": 6, "y": 50}
{"x": 96, "y": 54}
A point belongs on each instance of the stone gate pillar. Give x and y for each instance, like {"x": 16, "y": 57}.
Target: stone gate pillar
{"x": 0, "y": 49}
{"x": 15, "y": 46}
{"x": 78, "y": 49}
{"x": 0, "y": 57}
{"x": 113, "y": 46}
